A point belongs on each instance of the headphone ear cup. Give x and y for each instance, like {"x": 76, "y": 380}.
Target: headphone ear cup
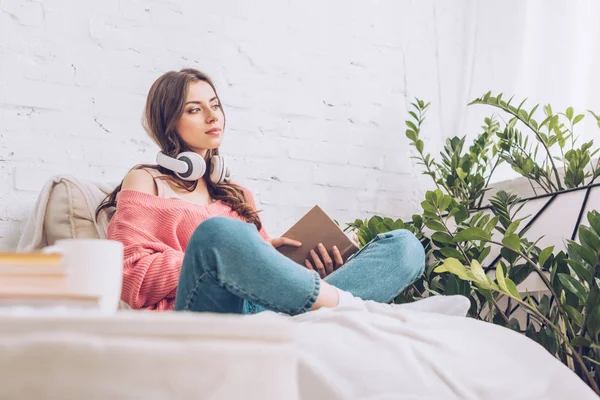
{"x": 219, "y": 171}
{"x": 196, "y": 166}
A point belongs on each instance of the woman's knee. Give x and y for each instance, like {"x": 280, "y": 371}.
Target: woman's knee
{"x": 408, "y": 250}
{"x": 216, "y": 232}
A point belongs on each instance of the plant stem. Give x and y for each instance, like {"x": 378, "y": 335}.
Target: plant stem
{"x": 504, "y": 317}
{"x": 488, "y": 181}
{"x": 549, "y": 185}
{"x": 538, "y": 136}
{"x": 594, "y": 170}
{"x": 537, "y": 269}
{"x": 532, "y": 188}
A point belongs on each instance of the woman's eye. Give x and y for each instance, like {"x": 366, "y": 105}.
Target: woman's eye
{"x": 216, "y": 106}
{"x": 194, "y": 110}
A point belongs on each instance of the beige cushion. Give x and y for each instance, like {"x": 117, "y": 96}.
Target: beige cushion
{"x": 67, "y": 214}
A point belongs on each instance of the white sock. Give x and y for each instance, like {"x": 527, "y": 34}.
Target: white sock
{"x": 347, "y": 299}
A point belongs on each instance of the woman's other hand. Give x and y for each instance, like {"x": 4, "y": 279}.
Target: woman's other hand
{"x": 283, "y": 241}
{"x": 323, "y": 262}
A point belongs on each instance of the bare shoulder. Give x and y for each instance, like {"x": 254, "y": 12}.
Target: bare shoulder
{"x": 139, "y": 180}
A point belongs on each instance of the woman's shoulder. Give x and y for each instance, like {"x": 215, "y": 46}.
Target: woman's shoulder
{"x": 141, "y": 180}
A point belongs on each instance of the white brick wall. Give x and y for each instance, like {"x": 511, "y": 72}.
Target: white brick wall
{"x": 315, "y": 92}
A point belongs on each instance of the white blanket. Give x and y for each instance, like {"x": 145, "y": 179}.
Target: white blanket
{"x": 414, "y": 352}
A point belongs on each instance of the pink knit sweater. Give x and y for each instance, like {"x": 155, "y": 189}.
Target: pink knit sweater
{"x": 155, "y": 232}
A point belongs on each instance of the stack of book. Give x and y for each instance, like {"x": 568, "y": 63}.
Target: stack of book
{"x": 37, "y": 280}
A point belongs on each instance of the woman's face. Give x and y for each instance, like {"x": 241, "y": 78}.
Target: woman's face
{"x": 201, "y": 124}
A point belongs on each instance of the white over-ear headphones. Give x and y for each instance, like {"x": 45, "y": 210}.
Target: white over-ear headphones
{"x": 191, "y": 166}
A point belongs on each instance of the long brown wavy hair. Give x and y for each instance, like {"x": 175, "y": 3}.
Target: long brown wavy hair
{"x": 164, "y": 107}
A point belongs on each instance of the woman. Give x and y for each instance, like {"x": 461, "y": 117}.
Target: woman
{"x": 199, "y": 244}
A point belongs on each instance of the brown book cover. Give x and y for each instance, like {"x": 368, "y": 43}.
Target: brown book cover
{"x": 313, "y": 228}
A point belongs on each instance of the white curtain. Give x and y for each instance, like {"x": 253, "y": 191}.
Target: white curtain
{"x": 545, "y": 50}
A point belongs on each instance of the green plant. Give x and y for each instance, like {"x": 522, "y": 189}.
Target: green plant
{"x": 567, "y": 322}
{"x": 462, "y": 174}
{"x": 554, "y": 134}
{"x": 457, "y": 233}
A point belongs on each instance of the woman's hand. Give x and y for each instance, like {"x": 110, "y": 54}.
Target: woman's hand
{"x": 283, "y": 241}
{"x": 324, "y": 264}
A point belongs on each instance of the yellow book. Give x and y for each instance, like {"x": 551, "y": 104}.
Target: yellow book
{"x": 34, "y": 258}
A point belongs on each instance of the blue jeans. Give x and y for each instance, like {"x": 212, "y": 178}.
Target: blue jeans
{"x": 229, "y": 268}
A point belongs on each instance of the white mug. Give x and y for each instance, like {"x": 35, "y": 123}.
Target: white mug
{"x": 94, "y": 267}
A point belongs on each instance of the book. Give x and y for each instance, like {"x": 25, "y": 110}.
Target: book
{"x": 23, "y": 269}
{"x": 313, "y": 228}
{"x": 34, "y": 258}
{"x": 35, "y": 263}
{"x": 48, "y": 300}
{"x": 34, "y": 283}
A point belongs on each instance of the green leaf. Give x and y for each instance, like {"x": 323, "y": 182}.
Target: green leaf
{"x": 439, "y": 196}
{"x": 417, "y": 220}
{"x": 569, "y": 113}
{"x": 445, "y": 202}
{"x": 489, "y": 227}
{"x": 545, "y": 254}
{"x": 457, "y": 285}
{"x": 513, "y": 242}
{"x": 461, "y": 215}
{"x": 593, "y": 321}
{"x": 514, "y": 324}
{"x": 412, "y": 126}
{"x": 594, "y": 220}
{"x": 478, "y": 272}
{"x": 593, "y": 298}
{"x": 573, "y": 286}
{"x": 512, "y": 288}
{"x": 453, "y": 266}
{"x": 583, "y": 252}
{"x": 399, "y": 224}
{"x": 544, "y": 305}
{"x": 471, "y": 233}
{"x": 500, "y": 278}
{"x": 579, "y": 269}
{"x": 372, "y": 224}
{"x": 578, "y": 118}
{"x": 589, "y": 238}
{"x": 574, "y": 314}
{"x": 529, "y": 300}
{"x": 483, "y": 255}
{"x": 512, "y": 227}
{"x": 518, "y": 273}
{"x": 435, "y": 225}
{"x": 580, "y": 341}
{"x": 451, "y": 252}
{"x": 383, "y": 227}
{"x": 428, "y": 207}
{"x": 442, "y": 237}
{"x": 419, "y": 145}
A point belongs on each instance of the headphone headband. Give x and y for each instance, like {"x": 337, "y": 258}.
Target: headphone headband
{"x": 175, "y": 165}
{"x": 191, "y": 166}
